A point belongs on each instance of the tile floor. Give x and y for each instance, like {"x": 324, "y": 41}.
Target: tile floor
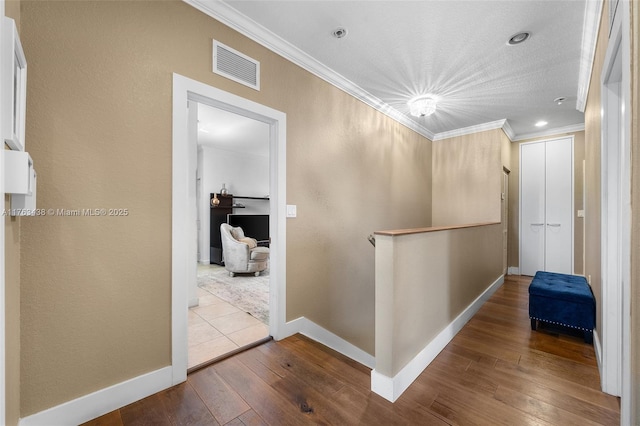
{"x": 216, "y": 327}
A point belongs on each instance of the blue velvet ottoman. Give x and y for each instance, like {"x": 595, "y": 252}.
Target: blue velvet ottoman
{"x": 562, "y": 299}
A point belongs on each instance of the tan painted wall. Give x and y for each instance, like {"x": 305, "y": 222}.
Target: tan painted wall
{"x": 428, "y": 279}
{"x": 514, "y": 200}
{"x": 96, "y": 291}
{"x": 467, "y": 178}
{"x": 12, "y": 290}
{"x": 592, "y": 119}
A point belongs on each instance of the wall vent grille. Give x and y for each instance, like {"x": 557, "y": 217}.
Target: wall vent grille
{"x": 236, "y": 66}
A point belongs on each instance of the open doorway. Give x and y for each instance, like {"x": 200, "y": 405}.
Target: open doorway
{"x": 230, "y": 310}
{"x": 184, "y": 212}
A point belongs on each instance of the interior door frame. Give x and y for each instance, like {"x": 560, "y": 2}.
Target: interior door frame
{"x": 614, "y": 360}
{"x": 3, "y": 380}
{"x": 183, "y": 207}
{"x": 505, "y": 216}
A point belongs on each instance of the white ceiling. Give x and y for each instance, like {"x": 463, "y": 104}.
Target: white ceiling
{"x": 232, "y": 132}
{"x": 455, "y": 50}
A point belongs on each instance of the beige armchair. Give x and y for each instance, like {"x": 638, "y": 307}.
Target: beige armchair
{"x": 241, "y": 254}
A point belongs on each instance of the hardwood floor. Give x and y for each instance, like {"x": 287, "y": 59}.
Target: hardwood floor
{"x": 495, "y": 371}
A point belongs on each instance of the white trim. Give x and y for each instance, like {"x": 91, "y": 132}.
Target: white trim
{"x": 13, "y": 108}
{"x": 610, "y": 200}
{"x": 506, "y": 127}
{"x": 590, "y": 28}
{"x": 179, "y": 233}
{"x": 616, "y": 212}
{"x": 550, "y": 132}
{"x": 185, "y": 89}
{"x": 498, "y": 124}
{"x": 320, "y": 334}
{"x": 98, "y": 403}
{"x": 391, "y": 388}
{"x": 3, "y": 383}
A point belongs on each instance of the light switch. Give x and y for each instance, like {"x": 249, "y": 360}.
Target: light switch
{"x": 292, "y": 210}
{"x": 580, "y": 213}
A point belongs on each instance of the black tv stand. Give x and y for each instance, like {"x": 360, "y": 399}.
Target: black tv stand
{"x": 218, "y": 216}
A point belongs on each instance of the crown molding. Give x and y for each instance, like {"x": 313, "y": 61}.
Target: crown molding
{"x": 550, "y": 132}
{"x": 230, "y": 17}
{"x": 506, "y": 127}
{"x": 498, "y": 124}
{"x": 590, "y": 28}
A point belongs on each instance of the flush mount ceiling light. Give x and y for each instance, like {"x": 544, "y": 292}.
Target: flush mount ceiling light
{"x": 541, "y": 123}
{"x": 519, "y": 38}
{"x": 339, "y": 32}
{"x": 422, "y": 106}
{"x": 560, "y": 100}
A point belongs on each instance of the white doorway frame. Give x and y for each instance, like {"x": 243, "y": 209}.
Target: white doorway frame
{"x": 3, "y": 382}
{"x": 505, "y": 218}
{"x": 183, "y": 207}
{"x": 616, "y": 214}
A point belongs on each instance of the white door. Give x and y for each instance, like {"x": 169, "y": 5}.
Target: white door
{"x": 532, "y": 208}
{"x": 546, "y": 206}
{"x": 559, "y": 207}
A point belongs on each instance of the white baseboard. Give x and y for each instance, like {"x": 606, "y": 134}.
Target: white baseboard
{"x": 391, "y": 388}
{"x": 101, "y": 402}
{"x": 312, "y": 330}
{"x": 513, "y": 270}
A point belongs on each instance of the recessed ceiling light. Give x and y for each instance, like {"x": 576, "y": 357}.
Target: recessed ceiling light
{"x": 541, "y": 123}
{"x": 560, "y": 100}
{"x": 519, "y": 38}
{"x": 340, "y": 32}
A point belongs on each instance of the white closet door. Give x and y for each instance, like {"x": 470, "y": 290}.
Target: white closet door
{"x": 546, "y": 206}
{"x": 532, "y": 208}
{"x": 559, "y": 206}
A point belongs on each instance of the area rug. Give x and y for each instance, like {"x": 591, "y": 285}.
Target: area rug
{"x": 246, "y": 292}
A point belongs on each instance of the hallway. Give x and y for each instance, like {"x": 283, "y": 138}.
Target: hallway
{"x": 495, "y": 371}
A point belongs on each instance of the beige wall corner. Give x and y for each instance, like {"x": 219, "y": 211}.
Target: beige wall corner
{"x": 467, "y": 178}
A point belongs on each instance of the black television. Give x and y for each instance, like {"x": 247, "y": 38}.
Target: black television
{"x": 254, "y": 225}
